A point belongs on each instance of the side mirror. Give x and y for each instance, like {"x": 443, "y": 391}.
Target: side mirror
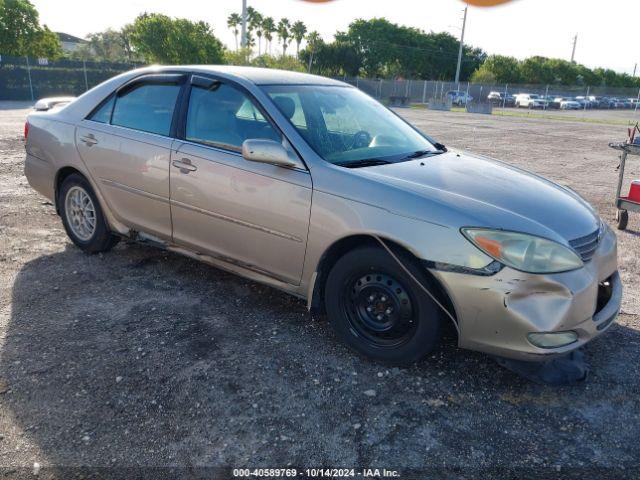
{"x": 267, "y": 151}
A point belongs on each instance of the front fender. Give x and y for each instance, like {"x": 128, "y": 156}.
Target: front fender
{"x": 335, "y": 218}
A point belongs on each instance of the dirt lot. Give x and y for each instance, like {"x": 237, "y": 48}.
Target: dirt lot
{"x": 143, "y": 358}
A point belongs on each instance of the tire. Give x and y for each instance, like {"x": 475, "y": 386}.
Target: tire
{"x": 85, "y": 225}
{"x": 403, "y": 325}
{"x": 622, "y": 217}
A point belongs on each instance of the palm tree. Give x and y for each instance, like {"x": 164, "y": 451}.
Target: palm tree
{"x": 255, "y": 23}
{"x": 313, "y": 40}
{"x": 233, "y": 22}
{"x": 298, "y": 30}
{"x": 283, "y": 33}
{"x": 251, "y": 12}
{"x": 268, "y": 29}
{"x": 250, "y": 42}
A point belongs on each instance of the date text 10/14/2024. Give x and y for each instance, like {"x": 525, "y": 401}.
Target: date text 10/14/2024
{"x": 315, "y": 473}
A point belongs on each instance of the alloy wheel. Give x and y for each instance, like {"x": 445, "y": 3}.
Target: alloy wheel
{"x": 80, "y": 213}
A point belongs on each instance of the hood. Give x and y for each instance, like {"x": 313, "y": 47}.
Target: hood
{"x": 474, "y": 191}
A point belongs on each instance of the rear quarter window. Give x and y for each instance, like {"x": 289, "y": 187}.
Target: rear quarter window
{"x": 103, "y": 113}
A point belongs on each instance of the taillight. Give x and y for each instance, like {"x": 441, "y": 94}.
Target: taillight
{"x": 26, "y": 130}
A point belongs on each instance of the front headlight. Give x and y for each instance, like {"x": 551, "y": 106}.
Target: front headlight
{"x": 524, "y": 252}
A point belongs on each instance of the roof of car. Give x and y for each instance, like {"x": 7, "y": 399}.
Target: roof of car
{"x": 261, "y": 76}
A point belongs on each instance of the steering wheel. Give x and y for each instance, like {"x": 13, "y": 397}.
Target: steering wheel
{"x": 361, "y": 139}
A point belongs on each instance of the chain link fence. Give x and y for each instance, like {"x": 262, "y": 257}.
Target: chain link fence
{"x": 23, "y": 78}
{"x": 446, "y": 95}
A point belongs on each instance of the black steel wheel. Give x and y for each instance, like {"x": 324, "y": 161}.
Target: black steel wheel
{"x": 378, "y": 310}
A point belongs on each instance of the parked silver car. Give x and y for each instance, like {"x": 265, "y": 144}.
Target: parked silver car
{"x": 311, "y": 186}
{"x": 458, "y": 98}
{"x": 567, "y": 103}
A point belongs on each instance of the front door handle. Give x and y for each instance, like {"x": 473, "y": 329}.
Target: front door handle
{"x": 184, "y": 165}
{"x": 89, "y": 139}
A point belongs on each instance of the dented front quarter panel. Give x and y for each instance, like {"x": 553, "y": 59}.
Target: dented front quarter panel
{"x": 495, "y": 313}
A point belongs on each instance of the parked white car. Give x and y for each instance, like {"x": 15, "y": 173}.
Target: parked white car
{"x": 529, "y": 100}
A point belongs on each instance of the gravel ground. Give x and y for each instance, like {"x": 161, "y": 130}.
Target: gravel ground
{"x": 143, "y": 358}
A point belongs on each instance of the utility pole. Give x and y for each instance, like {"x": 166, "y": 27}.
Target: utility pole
{"x": 243, "y": 40}
{"x": 573, "y": 53}
{"x": 634, "y": 70}
{"x": 464, "y": 25}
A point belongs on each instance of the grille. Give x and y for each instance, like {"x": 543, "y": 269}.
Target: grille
{"x": 586, "y": 246}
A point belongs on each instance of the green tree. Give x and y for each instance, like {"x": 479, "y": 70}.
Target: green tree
{"x": 313, "y": 41}
{"x": 269, "y": 28}
{"x": 45, "y": 44}
{"x": 536, "y": 70}
{"x": 387, "y": 49}
{"x": 547, "y": 71}
{"x": 110, "y": 46}
{"x": 298, "y": 31}
{"x": 125, "y": 33}
{"x": 283, "y": 63}
{"x": 233, "y": 22}
{"x": 21, "y": 33}
{"x": 161, "y": 39}
{"x": 237, "y": 57}
{"x": 500, "y": 68}
{"x": 242, "y": 57}
{"x": 260, "y": 34}
{"x": 483, "y": 75}
{"x": 255, "y": 24}
{"x": 332, "y": 59}
{"x": 284, "y": 33}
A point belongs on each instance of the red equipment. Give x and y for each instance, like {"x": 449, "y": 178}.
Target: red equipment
{"x": 632, "y": 201}
{"x": 634, "y": 192}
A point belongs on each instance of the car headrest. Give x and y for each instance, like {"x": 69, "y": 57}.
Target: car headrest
{"x": 286, "y": 105}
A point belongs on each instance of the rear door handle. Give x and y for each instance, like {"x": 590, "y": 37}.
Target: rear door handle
{"x": 89, "y": 139}
{"x": 184, "y": 165}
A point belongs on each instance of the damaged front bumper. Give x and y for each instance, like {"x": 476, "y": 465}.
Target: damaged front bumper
{"x": 497, "y": 314}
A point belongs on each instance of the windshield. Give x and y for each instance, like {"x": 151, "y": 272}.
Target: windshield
{"x": 345, "y": 126}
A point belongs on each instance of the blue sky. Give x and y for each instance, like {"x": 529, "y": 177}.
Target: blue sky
{"x": 606, "y": 30}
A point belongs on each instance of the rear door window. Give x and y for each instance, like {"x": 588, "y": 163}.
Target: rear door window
{"x": 147, "y": 107}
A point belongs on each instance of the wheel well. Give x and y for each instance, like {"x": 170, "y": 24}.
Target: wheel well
{"x": 61, "y": 175}
{"x": 341, "y": 247}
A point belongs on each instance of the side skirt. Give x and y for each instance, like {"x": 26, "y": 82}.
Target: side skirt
{"x": 230, "y": 265}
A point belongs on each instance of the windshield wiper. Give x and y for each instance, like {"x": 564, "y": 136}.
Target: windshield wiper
{"x": 367, "y": 162}
{"x": 417, "y": 154}
{"x": 440, "y": 147}
{"x": 423, "y": 153}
